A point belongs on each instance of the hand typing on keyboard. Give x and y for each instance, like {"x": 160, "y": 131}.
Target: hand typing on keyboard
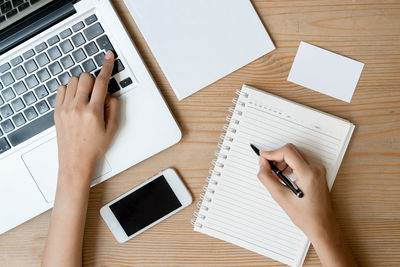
{"x": 86, "y": 119}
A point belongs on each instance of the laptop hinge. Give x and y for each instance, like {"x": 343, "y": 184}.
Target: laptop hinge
{"x": 35, "y": 23}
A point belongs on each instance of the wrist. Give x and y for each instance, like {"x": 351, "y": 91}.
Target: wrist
{"x": 80, "y": 176}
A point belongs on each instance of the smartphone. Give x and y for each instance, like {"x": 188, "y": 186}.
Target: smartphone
{"x": 146, "y": 205}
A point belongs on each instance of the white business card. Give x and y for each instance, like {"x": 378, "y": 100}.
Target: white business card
{"x": 325, "y": 72}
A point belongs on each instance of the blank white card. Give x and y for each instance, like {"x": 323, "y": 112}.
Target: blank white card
{"x": 325, "y": 72}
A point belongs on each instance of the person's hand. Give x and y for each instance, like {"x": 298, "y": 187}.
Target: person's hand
{"x": 314, "y": 210}
{"x": 86, "y": 119}
{"x": 313, "y": 213}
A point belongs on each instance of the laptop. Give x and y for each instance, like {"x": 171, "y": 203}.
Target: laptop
{"x": 42, "y": 44}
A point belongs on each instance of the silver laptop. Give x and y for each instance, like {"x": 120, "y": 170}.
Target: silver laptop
{"x": 42, "y": 44}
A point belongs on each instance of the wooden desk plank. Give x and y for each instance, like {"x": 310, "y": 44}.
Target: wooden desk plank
{"x": 366, "y": 192}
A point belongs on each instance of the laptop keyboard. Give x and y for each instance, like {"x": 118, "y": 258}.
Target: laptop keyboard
{"x": 29, "y": 82}
{"x": 10, "y": 8}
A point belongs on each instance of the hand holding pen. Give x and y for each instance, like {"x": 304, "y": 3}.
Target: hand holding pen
{"x": 291, "y": 185}
{"x": 312, "y": 213}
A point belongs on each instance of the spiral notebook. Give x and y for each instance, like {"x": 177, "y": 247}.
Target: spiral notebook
{"x": 236, "y": 207}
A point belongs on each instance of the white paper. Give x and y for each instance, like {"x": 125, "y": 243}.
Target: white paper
{"x": 198, "y": 42}
{"x": 325, "y": 72}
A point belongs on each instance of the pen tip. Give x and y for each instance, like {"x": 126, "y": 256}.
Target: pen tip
{"x": 255, "y": 149}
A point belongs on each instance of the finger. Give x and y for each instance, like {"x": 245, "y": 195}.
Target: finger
{"x": 287, "y": 171}
{"x": 270, "y": 181}
{"x": 60, "y": 96}
{"x": 281, "y": 165}
{"x": 291, "y": 156}
{"x": 71, "y": 89}
{"x": 111, "y": 115}
{"x": 85, "y": 87}
{"x": 101, "y": 84}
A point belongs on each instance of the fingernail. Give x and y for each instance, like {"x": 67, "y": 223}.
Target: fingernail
{"x": 109, "y": 55}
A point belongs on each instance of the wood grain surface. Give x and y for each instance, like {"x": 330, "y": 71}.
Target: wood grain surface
{"x": 366, "y": 194}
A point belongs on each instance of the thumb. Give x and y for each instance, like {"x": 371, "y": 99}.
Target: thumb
{"x": 270, "y": 181}
{"x": 111, "y": 115}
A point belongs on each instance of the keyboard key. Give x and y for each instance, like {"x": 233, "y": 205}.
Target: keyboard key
{"x": 65, "y": 33}
{"x": 67, "y": 62}
{"x": 93, "y": 31}
{"x": 66, "y": 46}
{"x": 88, "y": 65}
{"x": 42, "y": 59}
{"x": 8, "y": 94}
{"x": 91, "y": 48}
{"x": 6, "y": 111}
{"x": 40, "y": 47}
{"x": 19, "y": 72}
{"x": 78, "y": 39}
{"x": 30, "y": 66}
{"x": 53, "y": 40}
{"x": 15, "y": 61}
{"x": 79, "y": 55}
{"x": 17, "y": 2}
{"x": 113, "y": 86}
{"x": 7, "y": 79}
{"x": 17, "y": 104}
{"x": 76, "y": 71}
{"x": 52, "y": 100}
{"x": 4, "y": 145}
{"x": 7, "y": 126}
{"x": 18, "y": 119}
{"x": 6, "y": 7}
{"x": 42, "y": 107}
{"x": 31, "y": 129}
{"x": 28, "y": 54}
{"x": 23, "y": 6}
{"x": 124, "y": 83}
{"x": 54, "y": 53}
{"x": 99, "y": 58}
{"x": 89, "y": 20}
{"x": 2, "y": 19}
{"x": 11, "y": 13}
{"x": 53, "y": 85}
{"x": 78, "y": 26}
{"x": 118, "y": 67}
{"x": 43, "y": 75}
{"x": 31, "y": 81}
{"x": 41, "y": 92}
{"x": 5, "y": 67}
{"x": 20, "y": 87}
{"x": 104, "y": 43}
{"x": 29, "y": 98}
{"x": 1, "y": 103}
{"x": 34, "y": 1}
{"x": 55, "y": 68}
{"x": 64, "y": 78}
{"x": 30, "y": 113}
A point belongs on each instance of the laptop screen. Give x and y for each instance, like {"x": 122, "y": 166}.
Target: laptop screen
{"x": 23, "y": 19}
{"x": 11, "y": 11}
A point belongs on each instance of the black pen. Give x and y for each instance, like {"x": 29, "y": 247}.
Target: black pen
{"x": 282, "y": 177}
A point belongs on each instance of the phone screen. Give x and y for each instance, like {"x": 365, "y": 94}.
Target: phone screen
{"x": 145, "y": 205}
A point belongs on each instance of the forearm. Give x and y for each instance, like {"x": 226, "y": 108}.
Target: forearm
{"x": 331, "y": 247}
{"x": 65, "y": 237}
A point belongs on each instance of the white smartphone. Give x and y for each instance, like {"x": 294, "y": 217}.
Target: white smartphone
{"x": 146, "y": 205}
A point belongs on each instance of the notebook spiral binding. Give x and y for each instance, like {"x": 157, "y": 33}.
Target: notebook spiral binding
{"x": 217, "y": 165}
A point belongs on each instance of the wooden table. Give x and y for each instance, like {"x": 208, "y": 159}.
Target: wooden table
{"x": 366, "y": 194}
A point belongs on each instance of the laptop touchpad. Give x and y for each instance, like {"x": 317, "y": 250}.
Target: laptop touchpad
{"x": 42, "y": 163}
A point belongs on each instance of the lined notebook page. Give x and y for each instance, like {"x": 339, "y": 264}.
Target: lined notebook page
{"x": 236, "y": 206}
